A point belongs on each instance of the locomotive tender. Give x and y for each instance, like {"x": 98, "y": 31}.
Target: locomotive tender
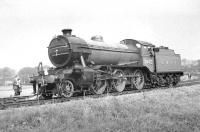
{"x": 98, "y": 66}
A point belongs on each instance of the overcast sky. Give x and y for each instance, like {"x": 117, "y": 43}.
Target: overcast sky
{"x": 27, "y": 26}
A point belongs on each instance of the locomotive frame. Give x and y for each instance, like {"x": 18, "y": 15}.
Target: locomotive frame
{"x": 96, "y": 67}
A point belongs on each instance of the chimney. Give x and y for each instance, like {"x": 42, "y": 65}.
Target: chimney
{"x": 67, "y": 32}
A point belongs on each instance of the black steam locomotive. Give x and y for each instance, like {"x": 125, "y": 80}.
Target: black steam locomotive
{"x": 97, "y": 66}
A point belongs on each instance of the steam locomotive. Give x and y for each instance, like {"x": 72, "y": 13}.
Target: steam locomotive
{"x": 96, "y": 66}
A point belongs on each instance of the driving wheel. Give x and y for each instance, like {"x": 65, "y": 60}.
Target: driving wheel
{"x": 120, "y": 82}
{"x": 138, "y": 79}
{"x": 67, "y": 88}
{"x": 99, "y": 86}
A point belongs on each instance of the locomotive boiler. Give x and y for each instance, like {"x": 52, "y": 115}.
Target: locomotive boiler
{"x": 96, "y": 66}
{"x": 65, "y": 50}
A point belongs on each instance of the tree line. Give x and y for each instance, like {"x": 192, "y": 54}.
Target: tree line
{"x": 7, "y": 74}
{"x": 192, "y": 66}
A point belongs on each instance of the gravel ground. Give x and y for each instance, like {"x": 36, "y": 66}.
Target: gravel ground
{"x": 7, "y": 91}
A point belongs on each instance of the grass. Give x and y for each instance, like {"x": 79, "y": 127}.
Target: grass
{"x": 158, "y": 110}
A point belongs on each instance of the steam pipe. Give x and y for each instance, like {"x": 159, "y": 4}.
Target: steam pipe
{"x": 83, "y": 61}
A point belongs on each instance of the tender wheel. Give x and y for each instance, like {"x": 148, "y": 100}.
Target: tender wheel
{"x": 67, "y": 88}
{"x": 119, "y": 84}
{"x": 170, "y": 81}
{"x": 99, "y": 86}
{"x": 138, "y": 79}
{"x": 176, "y": 80}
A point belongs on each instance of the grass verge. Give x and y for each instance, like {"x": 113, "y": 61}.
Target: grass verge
{"x": 158, "y": 110}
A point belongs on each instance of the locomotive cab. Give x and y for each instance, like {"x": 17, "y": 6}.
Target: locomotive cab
{"x": 147, "y": 55}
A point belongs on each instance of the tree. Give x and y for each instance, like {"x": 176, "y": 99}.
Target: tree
{"x": 6, "y": 74}
{"x": 25, "y": 73}
{"x": 192, "y": 66}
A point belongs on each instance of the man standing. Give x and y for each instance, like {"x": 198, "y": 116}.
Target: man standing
{"x": 33, "y": 81}
{"x": 189, "y": 76}
{"x": 17, "y": 86}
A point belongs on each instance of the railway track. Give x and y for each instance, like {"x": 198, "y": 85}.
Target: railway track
{"x": 24, "y": 101}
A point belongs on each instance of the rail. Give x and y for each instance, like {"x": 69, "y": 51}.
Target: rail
{"x": 24, "y": 101}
